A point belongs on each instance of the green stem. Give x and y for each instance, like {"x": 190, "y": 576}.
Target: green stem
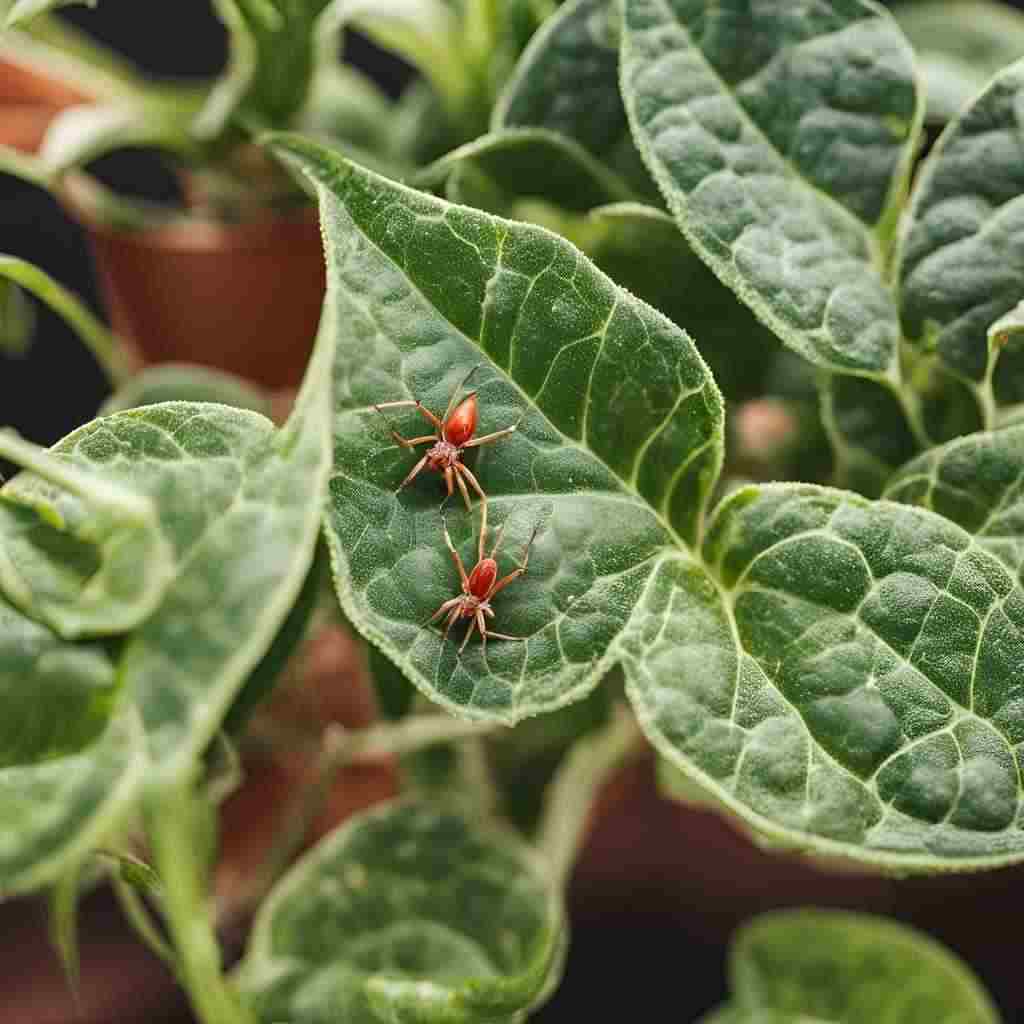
{"x": 135, "y": 910}
{"x": 173, "y": 828}
{"x": 575, "y": 787}
{"x": 103, "y": 345}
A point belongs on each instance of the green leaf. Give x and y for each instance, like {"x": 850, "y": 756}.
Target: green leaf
{"x": 978, "y": 483}
{"x": 619, "y": 439}
{"x": 536, "y": 163}
{"x": 958, "y": 267}
{"x": 185, "y": 382}
{"x": 567, "y": 81}
{"x": 57, "y": 697}
{"x": 845, "y": 680}
{"x": 22, "y": 10}
{"x": 782, "y": 137}
{"x": 83, "y": 551}
{"x": 820, "y": 965}
{"x": 55, "y": 812}
{"x": 959, "y": 46}
{"x": 411, "y": 914}
{"x": 63, "y": 913}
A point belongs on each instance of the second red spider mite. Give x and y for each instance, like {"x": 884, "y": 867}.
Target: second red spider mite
{"x": 454, "y": 434}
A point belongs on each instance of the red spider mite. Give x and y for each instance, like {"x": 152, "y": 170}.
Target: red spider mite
{"x": 454, "y": 434}
{"x": 479, "y": 587}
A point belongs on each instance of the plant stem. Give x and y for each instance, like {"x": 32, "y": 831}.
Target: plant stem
{"x": 572, "y": 792}
{"x": 339, "y": 748}
{"x": 179, "y": 852}
{"x": 103, "y": 345}
{"x": 136, "y": 912}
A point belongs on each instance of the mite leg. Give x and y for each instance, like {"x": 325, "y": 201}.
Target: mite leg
{"x": 463, "y": 470}
{"x": 481, "y": 625}
{"x": 462, "y": 487}
{"x": 469, "y": 633}
{"x": 453, "y": 617}
{"x": 411, "y": 403}
{"x": 413, "y": 473}
{"x": 488, "y": 438}
{"x": 446, "y": 607}
{"x": 515, "y": 573}
{"x": 455, "y": 556}
{"x": 455, "y": 393}
{"x": 505, "y": 636}
{"x": 449, "y": 481}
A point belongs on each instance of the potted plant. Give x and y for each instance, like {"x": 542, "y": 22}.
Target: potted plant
{"x": 830, "y": 665}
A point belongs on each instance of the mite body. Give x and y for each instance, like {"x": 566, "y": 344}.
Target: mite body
{"x": 478, "y": 587}
{"x": 454, "y": 433}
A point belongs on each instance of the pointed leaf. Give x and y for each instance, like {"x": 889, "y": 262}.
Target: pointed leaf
{"x": 408, "y": 914}
{"x": 846, "y": 680}
{"x": 618, "y": 445}
{"x": 978, "y": 483}
{"x": 784, "y": 160}
{"x": 567, "y": 81}
{"x": 833, "y": 966}
{"x": 960, "y": 45}
{"x": 959, "y": 265}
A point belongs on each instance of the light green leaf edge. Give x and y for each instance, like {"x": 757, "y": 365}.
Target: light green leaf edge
{"x": 185, "y": 382}
{"x": 767, "y": 955}
{"x": 859, "y": 303}
{"x": 25, "y": 9}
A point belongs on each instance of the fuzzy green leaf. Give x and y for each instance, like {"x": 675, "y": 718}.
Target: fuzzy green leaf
{"x": 960, "y": 45}
{"x": 817, "y": 965}
{"x": 781, "y": 135}
{"x": 567, "y": 81}
{"x": 408, "y": 914}
{"x": 978, "y": 483}
{"x": 960, "y": 267}
{"x": 618, "y": 445}
{"x": 845, "y": 681}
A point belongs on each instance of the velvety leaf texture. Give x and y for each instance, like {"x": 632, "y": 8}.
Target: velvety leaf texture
{"x": 977, "y": 482}
{"x": 619, "y": 437}
{"x": 567, "y": 81}
{"x": 811, "y": 965}
{"x": 781, "y": 136}
{"x": 853, "y": 687}
{"x": 409, "y": 914}
{"x": 961, "y": 263}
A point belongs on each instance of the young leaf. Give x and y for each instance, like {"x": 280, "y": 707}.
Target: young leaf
{"x": 618, "y": 444}
{"x": 959, "y": 46}
{"x": 845, "y": 681}
{"x": 17, "y": 319}
{"x": 833, "y": 966}
{"x": 978, "y": 483}
{"x": 785, "y": 160}
{"x": 567, "y": 81}
{"x": 407, "y": 913}
{"x": 958, "y": 266}
{"x": 82, "y": 551}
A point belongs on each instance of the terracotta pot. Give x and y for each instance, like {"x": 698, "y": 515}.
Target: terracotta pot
{"x": 28, "y": 103}
{"x": 239, "y": 297}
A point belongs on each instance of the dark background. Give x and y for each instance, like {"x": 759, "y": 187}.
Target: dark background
{"x": 626, "y": 958}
